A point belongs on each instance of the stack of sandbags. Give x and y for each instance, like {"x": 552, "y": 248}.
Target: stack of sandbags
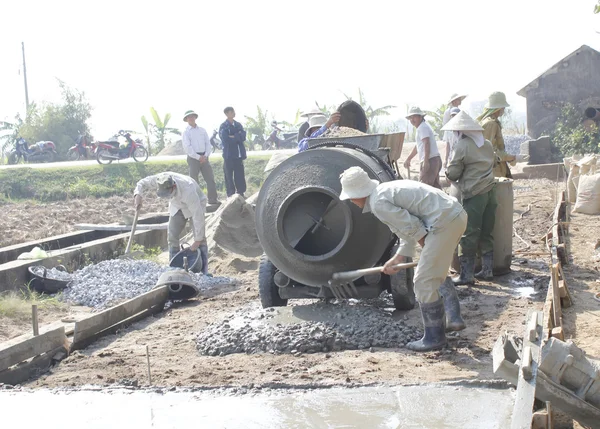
{"x": 585, "y": 183}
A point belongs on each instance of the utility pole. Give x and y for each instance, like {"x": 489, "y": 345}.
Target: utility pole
{"x": 25, "y": 78}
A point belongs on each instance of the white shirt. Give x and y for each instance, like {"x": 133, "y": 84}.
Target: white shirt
{"x": 412, "y": 210}
{"x": 188, "y": 198}
{"x": 195, "y": 140}
{"x": 423, "y": 132}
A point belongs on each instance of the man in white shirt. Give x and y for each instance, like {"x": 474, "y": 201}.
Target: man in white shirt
{"x": 426, "y": 148}
{"x": 417, "y": 213}
{"x": 186, "y": 202}
{"x": 196, "y": 144}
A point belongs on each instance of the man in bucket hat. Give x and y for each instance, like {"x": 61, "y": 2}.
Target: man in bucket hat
{"x": 492, "y": 131}
{"x": 471, "y": 170}
{"x": 307, "y": 115}
{"x": 318, "y": 124}
{"x": 196, "y": 144}
{"x": 426, "y": 148}
{"x": 417, "y": 213}
{"x": 186, "y": 202}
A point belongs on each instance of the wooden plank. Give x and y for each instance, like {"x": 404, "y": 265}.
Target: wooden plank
{"x": 522, "y": 416}
{"x": 26, "y": 346}
{"x": 558, "y": 333}
{"x": 34, "y": 368}
{"x": 556, "y": 309}
{"x": 81, "y": 344}
{"x": 565, "y": 295}
{"x": 121, "y": 228}
{"x": 98, "y": 322}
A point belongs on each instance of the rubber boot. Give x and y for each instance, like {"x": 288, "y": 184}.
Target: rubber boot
{"x": 454, "y": 321}
{"x": 467, "y": 266}
{"x": 172, "y": 252}
{"x": 204, "y": 257}
{"x": 487, "y": 267}
{"x": 434, "y": 325}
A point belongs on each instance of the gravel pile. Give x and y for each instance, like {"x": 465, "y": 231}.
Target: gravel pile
{"x": 52, "y": 273}
{"x": 513, "y": 143}
{"x": 342, "y": 132}
{"x": 110, "y": 282}
{"x": 285, "y": 330}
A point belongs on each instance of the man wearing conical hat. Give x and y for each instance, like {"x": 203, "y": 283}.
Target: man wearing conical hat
{"x": 471, "y": 170}
{"x": 417, "y": 213}
{"x": 492, "y": 131}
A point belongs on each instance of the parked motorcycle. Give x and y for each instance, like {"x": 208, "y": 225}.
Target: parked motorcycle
{"x": 289, "y": 141}
{"x": 41, "y": 152}
{"x": 109, "y": 151}
{"x": 83, "y": 149}
{"x": 215, "y": 141}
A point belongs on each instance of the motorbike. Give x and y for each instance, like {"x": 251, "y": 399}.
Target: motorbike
{"x": 45, "y": 152}
{"x": 215, "y": 141}
{"x": 83, "y": 149}
{"x": 109, "y": 151}
{"x": 290, "y": 140}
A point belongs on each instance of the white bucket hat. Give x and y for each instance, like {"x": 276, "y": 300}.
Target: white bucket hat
{"x": 456, "y": 97}
{"x": 415, "y": 111}
{"x": 356, "y": 184}
{"x": 462, "y": 122}
{"x": 310, "y": 113}
{"x": 497, "y": 100}
{"x": 314, "y": 122}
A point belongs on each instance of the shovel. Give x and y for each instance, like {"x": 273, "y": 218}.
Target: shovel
{"x": 138, "y": 253}
{"x": 342, "y": 284}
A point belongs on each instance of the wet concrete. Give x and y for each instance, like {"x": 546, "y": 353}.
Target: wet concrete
{"x": 430, "y": 406}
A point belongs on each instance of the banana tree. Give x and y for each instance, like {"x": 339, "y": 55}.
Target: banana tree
{"x": 436, "y": 119}
{"x": 370, "y": 111}
{"x": 256, "y": 127}
{"x": 10, "y": 131}
{"x": 159, "y": 129}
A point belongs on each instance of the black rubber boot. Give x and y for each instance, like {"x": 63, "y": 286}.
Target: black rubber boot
{"x": 454, "y": 321}
{"x": 434, "y": 325}
{"x": 467, "y": 266}
{"x": 487, "y": 267}
{"x": 172, "y": 252}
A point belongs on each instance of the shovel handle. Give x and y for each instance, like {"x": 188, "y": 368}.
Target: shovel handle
{"x": 366, "y": 271}
{"x": 135, "y": 219}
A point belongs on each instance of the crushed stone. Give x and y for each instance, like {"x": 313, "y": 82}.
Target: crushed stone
{"x": 347, "y": 325}
{"x": 52, "y": 273}
{"x": 109, "y": 282}
{"x": 342, "y": 132}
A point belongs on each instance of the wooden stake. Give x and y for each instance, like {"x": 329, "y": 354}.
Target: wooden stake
{"x": 148, "y": 360}
{"x": 34, "y": 320}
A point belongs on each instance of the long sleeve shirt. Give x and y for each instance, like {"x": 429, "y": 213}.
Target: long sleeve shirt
{"x": 188, "y": 198}
{"x": 411, "y": 210}
{"x": 233, "y": 137}
{"x": 303, "y": 144}
{"x": 196, "y": 142}
{"x": 471, "y": 167}
{"x": 492, "y": 131}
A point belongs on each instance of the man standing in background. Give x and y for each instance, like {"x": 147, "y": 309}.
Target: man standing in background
{"x": 233, "y": 136}
{"x": 198, "y": 148}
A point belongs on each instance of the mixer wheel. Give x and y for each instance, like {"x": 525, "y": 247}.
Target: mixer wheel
{"x": 267, "y": 289}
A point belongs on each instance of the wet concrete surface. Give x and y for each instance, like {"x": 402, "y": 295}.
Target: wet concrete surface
{"x": 422, "y": 406}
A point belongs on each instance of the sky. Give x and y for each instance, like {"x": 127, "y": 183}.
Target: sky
{"x": 129, "y": 55}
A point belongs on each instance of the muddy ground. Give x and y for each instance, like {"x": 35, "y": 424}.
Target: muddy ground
{"x": 489, "y": 308}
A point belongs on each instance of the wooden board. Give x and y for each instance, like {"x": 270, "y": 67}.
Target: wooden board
{"x": 37, "y": 366}
{"x": 27, "y": 346}
{"x": 121, "y": 228}
{"x": 109, "y": 317}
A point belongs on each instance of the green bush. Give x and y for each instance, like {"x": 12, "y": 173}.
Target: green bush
{"x": 571, "y": 137}
{"x": 56, "y": 184}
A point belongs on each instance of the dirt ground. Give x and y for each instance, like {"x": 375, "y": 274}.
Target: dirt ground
{"x": 489, "y": 308}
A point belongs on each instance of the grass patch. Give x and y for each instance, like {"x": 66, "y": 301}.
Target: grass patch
{"x": 17, "y": 304}
{"x": 150, "y": 253}
{"x": 101, "y": 181}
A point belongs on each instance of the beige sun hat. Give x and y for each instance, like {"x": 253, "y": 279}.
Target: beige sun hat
{"x": 310, "y": 113}
{"x": 456, "y": 97}
{"x": 415, "y": 111}
{"x": 497, "y": 100}
{"x": 356, "y": 184}
{"x": 462, "y": 122}
{"x": 316, "y": 121}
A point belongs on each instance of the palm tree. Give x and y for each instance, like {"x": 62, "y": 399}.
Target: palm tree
{"x": 11, "y": 134}
{"x": 159, "y": 129}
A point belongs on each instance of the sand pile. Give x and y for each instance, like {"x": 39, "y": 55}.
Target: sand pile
{"x": 173, "y": 149}
{"x": 342, "y": 132}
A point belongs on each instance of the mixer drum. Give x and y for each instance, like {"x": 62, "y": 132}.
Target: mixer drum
{"x": 304, "y": 228}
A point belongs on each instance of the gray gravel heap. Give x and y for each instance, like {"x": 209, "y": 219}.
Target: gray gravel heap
{"x": 256, "y": 330}
{"x": 513, "y": 143}
{"x": 110, "y": 282}
{"x": 52, "y": 273}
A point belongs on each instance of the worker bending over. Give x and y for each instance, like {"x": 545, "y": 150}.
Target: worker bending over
{"x": 186, "y": 201}
{"x": 417, "y": 213}
{"x": 471, "y": 169}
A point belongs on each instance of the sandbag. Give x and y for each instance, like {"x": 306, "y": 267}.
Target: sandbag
{"x": 588, "y": 195}
{"x": 572, "y": 180}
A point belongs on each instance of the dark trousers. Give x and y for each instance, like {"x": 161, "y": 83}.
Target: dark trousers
{"x": 196, "y": 168}
{"x": 235, "y": 178}
{"x": 478, "y": 236}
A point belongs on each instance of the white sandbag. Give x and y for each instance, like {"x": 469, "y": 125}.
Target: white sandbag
{"x": 588, "y": 195}
{"x": 587, "y": 165}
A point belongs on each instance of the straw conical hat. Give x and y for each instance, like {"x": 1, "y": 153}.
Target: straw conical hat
{"x": 462, "y": 122}
{"x": 497, "y": 100}
{"x": 456, "y": 97}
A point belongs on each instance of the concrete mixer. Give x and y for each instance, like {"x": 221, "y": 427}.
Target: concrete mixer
{"x": 308, "y": 234}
